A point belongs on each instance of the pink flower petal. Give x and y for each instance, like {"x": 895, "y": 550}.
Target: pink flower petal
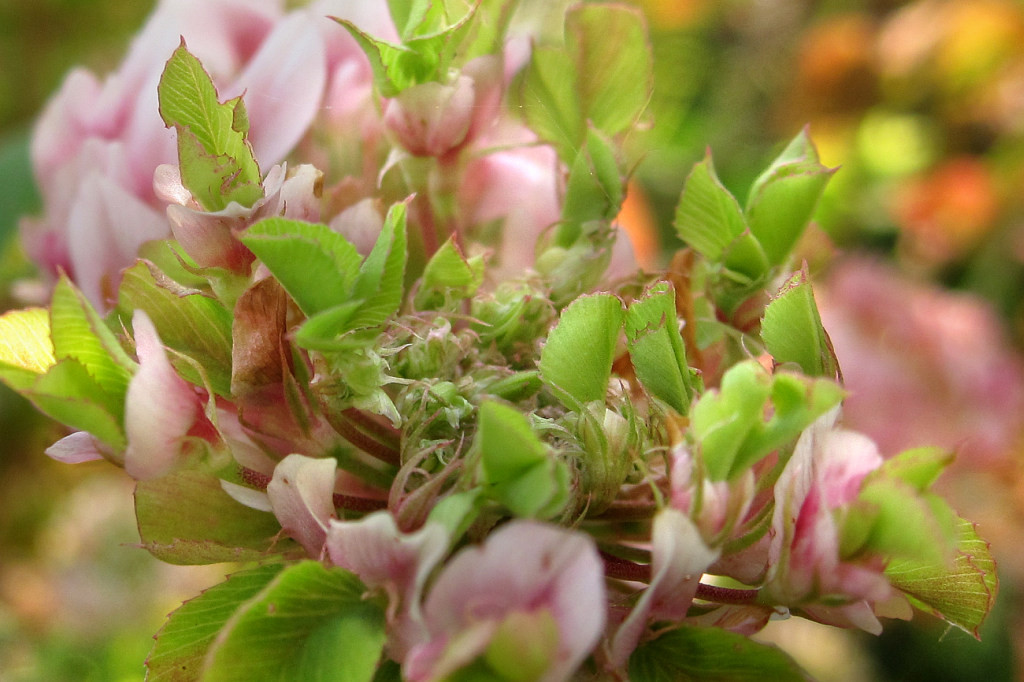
{"x": 254, "y": 499}
{"x": 375, "y": 550}
{"x": 283, "y": 85}
{"x": 679, "y": 558}
{"x": 74, "y": 448}
{"x": 302, "y": 495}
{"x": 209, "y": 237}
{"x": 106, "y": 227}
{"x": 524, "y": 566}
{"x": 431, "y": 119}
{"x": 160, "y": 407}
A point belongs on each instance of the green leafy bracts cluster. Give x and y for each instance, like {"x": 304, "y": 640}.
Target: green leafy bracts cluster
{"x": 459, "y": 404}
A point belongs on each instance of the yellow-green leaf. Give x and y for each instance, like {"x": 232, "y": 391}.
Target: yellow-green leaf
{"x": 25, "y": 347}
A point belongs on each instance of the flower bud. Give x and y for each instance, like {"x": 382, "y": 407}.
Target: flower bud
{"x": 431, "y": 119}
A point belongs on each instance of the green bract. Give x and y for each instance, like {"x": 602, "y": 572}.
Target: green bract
{"x": 216, "y": 162}
{"x": 600, "y": 77}
{"x": 792, "y": 329}
{"x": 517, "y": 466}
{"x": 755, "y": 413}
{"x": 656, "y": 347}
{"x": 577, "y": 359}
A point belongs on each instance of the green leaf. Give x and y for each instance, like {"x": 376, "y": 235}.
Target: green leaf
{"x": 185, "y": 517}
{"x": 793, "y": 332}
{"x": 919, "y": 467}
{"x": 507, "y": 443}
{"x": 62, "y": 377}
{"x": 693, "y": 654}
{"x": 457, "y": 511}
{"x": 488, "y": 28}
{"x": 427, "y": 54}
{"x": 382, "y": 275}
{"x": 322, "y": 331}
{"x": 576, "y": 360}
{"x": 722, "y": 420}
{"x": 545, "y": 94}
{"x": 595, "y": 189}
{"x": 183, "y": 641}
{"x": 521, "y": 471}
{"x": 783, "y": 198}
{"x": 603, "y": 76}
{"x": 962, "y": 592}
{"x": 656, "y": 347}
{"x": 905, "y": 523}
{"x": 316, "y": 265}
{"x": 168, "y": 256}
{"x": 374, "y": 295}
{"x": 395, "y": 67}
{"x": 515, "y": 387}
{"x": 608, "y": 45}
{"x": 796, "y": 402}
{"x": 78, "y": 332}
{"x": 408, "y": 15}
{"x": 709, "y": 219}
{"x": 308, "y": 623}
{"x": 72, "y": 396}
{"x": 26, "y": 350}
{"x": 217, "y": 163}
{"x": 449, "y": 274}
{"x": 730, "y": 424}
{"x": 187, "y": 321}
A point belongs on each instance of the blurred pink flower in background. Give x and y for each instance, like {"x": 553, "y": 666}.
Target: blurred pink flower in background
{"x": 923, "y": 366}
{"x": 98, "y": 142}
{"x": 926, "y": 366}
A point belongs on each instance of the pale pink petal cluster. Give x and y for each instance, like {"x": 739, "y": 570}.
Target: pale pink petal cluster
{"x": 98, "y": 143}
{"x": 210, "y": 238}
{"x": 806, "y": 570}
{"x": 529, "y": 586}
{"x": 679, "y": 557}
{"x": 723, "y": 504}
{"x": 301, "y": 494}
{"x": 398, "y": 563}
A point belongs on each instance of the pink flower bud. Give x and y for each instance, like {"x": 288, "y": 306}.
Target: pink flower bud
{"x": 431, "y": 119}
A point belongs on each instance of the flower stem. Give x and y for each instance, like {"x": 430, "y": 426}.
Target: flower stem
{"x": 347, "y": 427}
{"x": 624, "y": 569}
{"x": 725, "y": 595}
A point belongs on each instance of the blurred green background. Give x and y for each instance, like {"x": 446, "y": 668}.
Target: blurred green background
{"x": 921, "y": 104}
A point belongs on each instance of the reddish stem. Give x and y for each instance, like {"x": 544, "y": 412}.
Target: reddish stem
{"x": 385, "y": 432}
{"x": 624, "y": 569}
{"x": 365, "y": 442}
{"x": 639, "y": 510}
{"x": 358, "y": 504}
{"x": 725, "y": 595}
